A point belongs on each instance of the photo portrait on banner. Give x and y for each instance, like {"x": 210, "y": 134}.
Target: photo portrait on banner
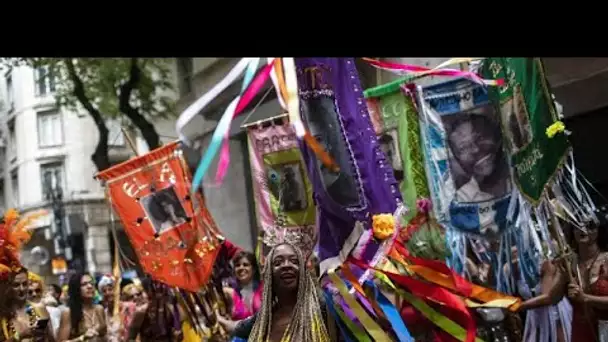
{"x": 282, "y": 190}
{"x": 334, "y": 110}
{"x": 171, "y": 230}
{"x": 466, "y": 156}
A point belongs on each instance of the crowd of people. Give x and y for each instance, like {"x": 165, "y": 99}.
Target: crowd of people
{"x": 282, "y": 302}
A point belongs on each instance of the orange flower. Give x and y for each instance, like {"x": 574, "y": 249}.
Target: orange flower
{"x": 383, "y": 226}
{"x": 5, "y": 272}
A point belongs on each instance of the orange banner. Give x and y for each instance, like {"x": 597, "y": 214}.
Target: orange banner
{"x": 173, "y": 234}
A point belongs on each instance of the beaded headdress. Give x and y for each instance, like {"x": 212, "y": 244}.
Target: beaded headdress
{"x": 14, "y": 233}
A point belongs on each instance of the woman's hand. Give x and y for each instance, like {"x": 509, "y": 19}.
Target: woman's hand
{"x": 23, "y": 331}
{"x": 575, "y": 293}
{"x": 91, "y": 333}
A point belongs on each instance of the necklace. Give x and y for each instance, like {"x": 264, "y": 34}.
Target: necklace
{"x": 32, "y": 316}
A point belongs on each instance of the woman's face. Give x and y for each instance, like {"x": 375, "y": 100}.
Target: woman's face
{"x": 20, "y": 286}
{"x": 285, "y": 267}
{"x": 135, "y": 295}
{"x": 243, "y": 270}
{"x": 168, "y": 208}
{"x": 107, "y": 292}
{"x": 584, "y": 239}
{"x": 87, "y": 290}
{"x": 35, "y": 291}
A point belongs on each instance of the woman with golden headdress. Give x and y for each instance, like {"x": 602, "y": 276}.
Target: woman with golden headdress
{"x": 20, "y": 319}
{"x": 291, "y": 309}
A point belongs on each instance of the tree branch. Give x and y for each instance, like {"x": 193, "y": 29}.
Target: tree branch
{"x": 100, "y": 156}
{"x": 147, "y": 129}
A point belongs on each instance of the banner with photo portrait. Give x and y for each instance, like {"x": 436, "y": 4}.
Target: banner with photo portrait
{"x": 464, "y": 151}
{"x": 527, "y": 109}
{"x": 283, "y": 193}
{"x": 333, "y": 108}
{"x": 395, "y": 120}
{"x": 172, "y": 232}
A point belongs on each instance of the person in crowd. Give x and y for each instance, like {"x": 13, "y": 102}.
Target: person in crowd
{"x": 118, "y": 326}
{"x": 21, "y": 320}
{"x": 548, "y": 312}
{"x": 589, "y": 294}
{"x": 245, "y": 298}
{"x": 37, "y": 296}
{"x": 83, "y": 320}
{"x": 63, "y": 299}
{"x": 291, "y": 309}
{"x": 54, "y": 291}
{"x": 159, "y": 318}
{"x": 36, "y": 287}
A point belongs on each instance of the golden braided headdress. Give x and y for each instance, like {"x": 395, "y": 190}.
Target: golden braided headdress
{"x": 14, "y": 233}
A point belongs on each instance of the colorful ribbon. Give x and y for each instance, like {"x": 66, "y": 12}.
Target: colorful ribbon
{"x": 435, "y": 293}
{"x": 370, "y": 325}
{"x": 293, "y": 105}
{"x": 438, "y": 273}
{"x": 391, "y": 314}
{"x": 234, "y": 109}
{"x": 418, "y": 71}
{"x": 194, "y": 109}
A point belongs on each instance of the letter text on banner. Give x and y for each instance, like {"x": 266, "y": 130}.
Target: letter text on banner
{"x": 282, "y": 190}
{"x": 176, "y": 242}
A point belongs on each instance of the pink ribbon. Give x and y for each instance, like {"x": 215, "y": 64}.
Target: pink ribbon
{"x": 246, "y": 98}
{"x": 407, "y": 68}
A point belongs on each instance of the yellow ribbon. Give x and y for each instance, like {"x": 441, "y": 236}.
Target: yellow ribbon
{"x": 370, "y": 325}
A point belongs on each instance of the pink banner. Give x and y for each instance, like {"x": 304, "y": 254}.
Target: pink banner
{"x": 282, "y": 191}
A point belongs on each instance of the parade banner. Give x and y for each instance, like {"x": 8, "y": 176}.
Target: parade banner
{"x": 282, "y": 191}
{"x": 526, "y": 111}
{"x": 395, "y": 120}
{"x": 333, "y": 108}
{"x": 172, "y": 232}
{"x": 468, "y": 168}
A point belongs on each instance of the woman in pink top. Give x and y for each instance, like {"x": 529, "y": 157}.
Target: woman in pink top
{"x": 246, "y": 296}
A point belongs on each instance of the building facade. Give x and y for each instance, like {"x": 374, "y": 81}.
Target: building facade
{"x": 46, "y": 164}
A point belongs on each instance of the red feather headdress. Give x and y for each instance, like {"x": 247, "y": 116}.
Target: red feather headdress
{"x": 14, "y": 233}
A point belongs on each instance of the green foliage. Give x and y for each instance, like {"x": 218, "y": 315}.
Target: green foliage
{"x": 102, "y": 79}
{"x": 428, "y": 242}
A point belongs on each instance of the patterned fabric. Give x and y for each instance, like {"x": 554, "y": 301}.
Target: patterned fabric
{"x": 398, "y": 129}
{"x": 470, "y": 176}
{"x": 334, "y": 110}
{"x": 282, "y": 190}
{"x": 241, "y": 310}
{"x": 118, "y": 330}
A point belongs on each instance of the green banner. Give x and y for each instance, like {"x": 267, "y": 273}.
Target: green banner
{"x": 395, "y": 121}
{"x": 527, "y": 110}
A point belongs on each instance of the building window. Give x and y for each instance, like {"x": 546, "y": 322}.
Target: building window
{"x": 50, "y": 132}
{"x": 12, "y": 140}
{"x": 45, "y": 81}
{"x": 52, "y": 179}
{"x": 10, "y": 93}
{"x": 15, "y": 188}
{"x": 184, "y": 74}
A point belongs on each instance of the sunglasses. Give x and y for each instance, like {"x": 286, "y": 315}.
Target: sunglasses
{"x": 35, "y": 292}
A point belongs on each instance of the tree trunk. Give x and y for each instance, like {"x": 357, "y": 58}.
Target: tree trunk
{"x": 100, "y": 157}
{"x": 147, "y": 129}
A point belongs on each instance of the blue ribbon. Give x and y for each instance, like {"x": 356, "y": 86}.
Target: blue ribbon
{"x": 330, "y": 306}
{"x": 222, "y": 128}
{"x": 391, "y": 314}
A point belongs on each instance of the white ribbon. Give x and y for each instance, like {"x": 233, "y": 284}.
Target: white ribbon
{"x": 189, "y": 113}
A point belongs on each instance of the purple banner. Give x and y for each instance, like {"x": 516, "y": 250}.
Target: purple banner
{"x": 334, "y": 110}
